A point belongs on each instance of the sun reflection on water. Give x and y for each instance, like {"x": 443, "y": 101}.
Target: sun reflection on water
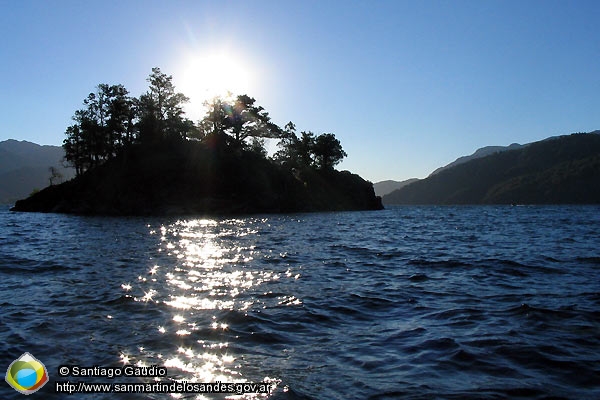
{"x": 202, "y": 274}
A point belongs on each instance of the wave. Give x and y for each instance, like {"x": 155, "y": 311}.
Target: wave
{"x": 589, "y": 260}
{"x": 420, "y": 262}
{"x": 14, "y": 266}
{"x": 416, "y": 304}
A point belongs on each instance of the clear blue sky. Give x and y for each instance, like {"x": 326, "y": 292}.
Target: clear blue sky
{"x": 407, "y": 86}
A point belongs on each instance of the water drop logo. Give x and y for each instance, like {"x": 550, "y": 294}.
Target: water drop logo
{"x": 26, "y": 374}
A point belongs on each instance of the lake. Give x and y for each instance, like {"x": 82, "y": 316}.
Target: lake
{"x": 405, "y": 303}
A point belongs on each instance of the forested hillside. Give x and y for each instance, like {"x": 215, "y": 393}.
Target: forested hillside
{"x": 560, "y": 170}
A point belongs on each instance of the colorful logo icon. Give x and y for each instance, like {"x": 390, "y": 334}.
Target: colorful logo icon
{"x": 26, "y": 374}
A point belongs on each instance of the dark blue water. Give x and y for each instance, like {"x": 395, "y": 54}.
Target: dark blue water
{"x": 406, "y": 303}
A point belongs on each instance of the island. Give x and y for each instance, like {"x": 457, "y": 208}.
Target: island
{"x": 141, "y": 156}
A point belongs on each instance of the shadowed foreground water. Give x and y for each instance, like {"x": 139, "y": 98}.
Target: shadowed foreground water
{"x": 407, "y": 303}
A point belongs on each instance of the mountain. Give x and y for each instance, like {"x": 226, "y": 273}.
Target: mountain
{"x": 191, "y": 177}
{"x": 479, "y": 153}
{"x": 558, "y": 170}
{"x": 24, "y": 167}
{"x": 384, "y": 187}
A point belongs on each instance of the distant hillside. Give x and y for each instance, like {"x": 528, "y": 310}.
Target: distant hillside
{"x": 384, "y": 187}
{"x": 24, "y": 167}
{"x": 560, "y": 170}
{"x": 479, "y": 153}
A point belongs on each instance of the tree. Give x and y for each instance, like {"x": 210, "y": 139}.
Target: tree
{"x": 257, "y": 145}
{"x": 121, "y": 121}
{"x": 327, "y": 151}
{"x": 241, "y": 119}
{"x": 304, "y": 148}
{"x": 215, "y": 121}
{"x": 101, "y": 129}
{"x": 161, "y": 110}
{"x": 201, "y": 130}
{"x": 295, "y": 152}
{"x": 287, "y": 153}
{"x": 111, "y": 121}
{"x": 75, "y": 146}
{"x": 93, "y": 121}
{"x": 245, "y": 119}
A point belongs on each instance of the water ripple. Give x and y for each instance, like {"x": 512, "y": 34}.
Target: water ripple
{"x": 411, "y": 302}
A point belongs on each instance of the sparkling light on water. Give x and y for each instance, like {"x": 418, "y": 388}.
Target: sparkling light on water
{"x": 201, "y": 269}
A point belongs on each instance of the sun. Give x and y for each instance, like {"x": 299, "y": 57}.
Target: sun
{"x": 206, "y": 76}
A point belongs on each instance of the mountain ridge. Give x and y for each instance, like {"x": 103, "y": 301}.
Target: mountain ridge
{"x": 384, "y": 187}
{"x": 24, "y": 167}
{"x": 557, "y": 170}
{"x": 479, "y": 153}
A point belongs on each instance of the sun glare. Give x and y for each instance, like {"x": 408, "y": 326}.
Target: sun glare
{"x": 209, "y": 75}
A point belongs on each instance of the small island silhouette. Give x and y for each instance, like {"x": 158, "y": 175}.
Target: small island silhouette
{"x": 142, "y": 156}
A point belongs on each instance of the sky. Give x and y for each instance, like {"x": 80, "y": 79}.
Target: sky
{"x": 406, "y": 86}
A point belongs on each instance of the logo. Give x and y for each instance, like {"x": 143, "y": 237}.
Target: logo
{"x": 26, "y": 374}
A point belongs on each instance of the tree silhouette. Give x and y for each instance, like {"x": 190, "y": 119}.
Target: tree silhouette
{"x": 296, "y": 152}
{"x": 305, "y": 146}
{"x": 246, "y": 119}
{"x": 215, "y": 121}
{"x": 111, "y": 122}
{"x": 328, "y": 151}
{"x": 288, "y": 149}
{"x": 122, "y": 118}
{"x": 241, "y": 119}
{"x": 93, "y": 120}
{"x": 75, "y": 146}
{"x": 104, "y": 126}
{"x": 161, "y": 110}
{"x": 323, "y": 151}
